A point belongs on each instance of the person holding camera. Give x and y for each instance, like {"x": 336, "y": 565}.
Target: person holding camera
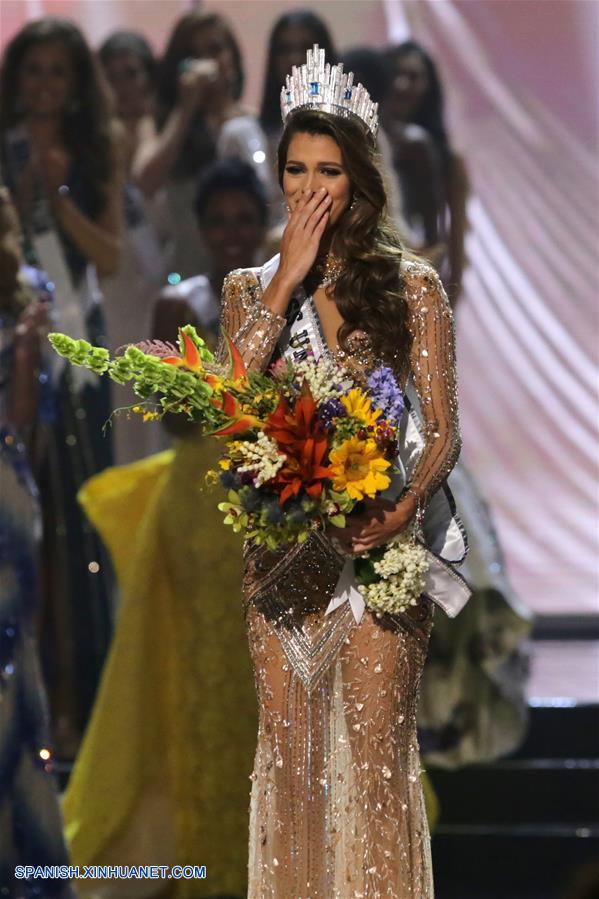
{"x": 200, "y": 118}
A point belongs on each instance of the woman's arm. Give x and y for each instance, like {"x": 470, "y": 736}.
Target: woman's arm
{"x": 156, "y": 158}
{"x": 253, "y": 326}
{"x": 23, "y": 398}
{"x": 458, "y": 189}
{"x": 432, "y": 363}
{"x": 98, "y": 241}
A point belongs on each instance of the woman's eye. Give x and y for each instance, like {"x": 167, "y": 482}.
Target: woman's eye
{"x": 293, "y": 169}
{"x": 331, "y": 172}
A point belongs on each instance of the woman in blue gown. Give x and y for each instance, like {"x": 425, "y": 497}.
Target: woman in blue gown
{"x": 30, "y": 822}
{"x": 60, "y": 157}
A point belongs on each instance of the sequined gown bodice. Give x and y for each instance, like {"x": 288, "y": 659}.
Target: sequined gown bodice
{"x": 337, "y": 809}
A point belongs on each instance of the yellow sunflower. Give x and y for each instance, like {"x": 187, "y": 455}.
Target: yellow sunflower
{"x": 358, "y": 405}
{"x": 357, "y": 466}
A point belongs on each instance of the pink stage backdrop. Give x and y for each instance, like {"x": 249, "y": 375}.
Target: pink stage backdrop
{"x": 521, "y": 82}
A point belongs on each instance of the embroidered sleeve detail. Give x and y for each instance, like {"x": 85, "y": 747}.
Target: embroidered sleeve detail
{"x": 432, "y": 365}
{"x": 251, "y": 325}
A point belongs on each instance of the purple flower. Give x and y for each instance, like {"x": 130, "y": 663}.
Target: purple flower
{"x": 230, "y": 480}
{"x": 330, "y": 410}
{"x": 386, "y": 395}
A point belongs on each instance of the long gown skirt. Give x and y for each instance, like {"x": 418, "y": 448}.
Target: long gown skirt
{"x": 337, "y": 809}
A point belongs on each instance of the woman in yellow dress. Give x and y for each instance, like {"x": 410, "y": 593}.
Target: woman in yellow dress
{"x": 162, "y": 775}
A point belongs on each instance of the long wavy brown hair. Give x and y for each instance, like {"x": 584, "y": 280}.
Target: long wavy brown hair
{"x": 369, "y": 293}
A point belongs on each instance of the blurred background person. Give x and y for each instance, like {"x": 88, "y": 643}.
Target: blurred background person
{"x": 178, "y": 678}
{"x": 231, "y": 211}
{"x": 61, "y": 160}
{"x": 432, "y": 174}
{"x": 371, "y": 68}
{"x": 130, "y": 68}
{"x": 200, "y": 119}
{"x": 30, "y": 821}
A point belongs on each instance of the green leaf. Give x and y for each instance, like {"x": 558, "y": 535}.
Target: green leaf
{"x": 365, "y": 573}
{"x": 337, "y": 520}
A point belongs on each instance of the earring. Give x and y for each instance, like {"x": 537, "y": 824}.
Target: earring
{"x": 354, "y": 202}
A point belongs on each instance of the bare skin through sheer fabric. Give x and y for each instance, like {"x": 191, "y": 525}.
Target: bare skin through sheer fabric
{"x": 336, "y": 797}
{"x": 337, "y": 809}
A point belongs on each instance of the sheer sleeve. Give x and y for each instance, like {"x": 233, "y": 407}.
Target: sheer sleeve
{"x": 432, "y": 366}
{"x": 252, "y": 326}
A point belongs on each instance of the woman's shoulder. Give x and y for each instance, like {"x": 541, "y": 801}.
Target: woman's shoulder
{"x": 420, "y": 280}
{"x": 256, "y": 278}
{"x": 415, "y": 269}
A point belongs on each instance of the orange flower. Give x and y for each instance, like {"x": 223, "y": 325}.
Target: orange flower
{"x": 190, "y": 358}
{"x": 239, "y": 421}
{"x": 299, "y": 435}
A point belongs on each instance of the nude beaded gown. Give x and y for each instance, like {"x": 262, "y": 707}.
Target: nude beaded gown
{"x": 336, "y": 808}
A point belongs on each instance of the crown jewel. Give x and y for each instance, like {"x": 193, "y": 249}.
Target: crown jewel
{"x": 318, "y": 85}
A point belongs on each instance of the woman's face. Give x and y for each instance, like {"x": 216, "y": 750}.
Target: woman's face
{"x": 292, "y": 44}
{"x": 212, "y": 42}
{"x": 128, "y": 78}
{"x": 232, "y": 230}
{"x": 314, "y": 162}
{"x": 46, "y": 80}
{"x": 409, "y": 87}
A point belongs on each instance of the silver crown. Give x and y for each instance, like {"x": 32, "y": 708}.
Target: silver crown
{"x": 318, "y": 85}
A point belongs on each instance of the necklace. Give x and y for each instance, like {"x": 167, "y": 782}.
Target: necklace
{"x": 329, "y": 272}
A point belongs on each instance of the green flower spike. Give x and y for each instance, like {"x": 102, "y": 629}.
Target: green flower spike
{"x": 80, "y": 352}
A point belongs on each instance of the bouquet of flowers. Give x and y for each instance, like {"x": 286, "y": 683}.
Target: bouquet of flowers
{"x": 304, "y": 443}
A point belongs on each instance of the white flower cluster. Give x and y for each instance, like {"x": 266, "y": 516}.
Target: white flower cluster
{"x": 263, "y": 458}
{"x": 403, "y": 573}
{"x": 323, "y": 377}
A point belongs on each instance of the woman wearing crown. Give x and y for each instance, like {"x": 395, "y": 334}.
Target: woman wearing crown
{"x": 337, "y": 806}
